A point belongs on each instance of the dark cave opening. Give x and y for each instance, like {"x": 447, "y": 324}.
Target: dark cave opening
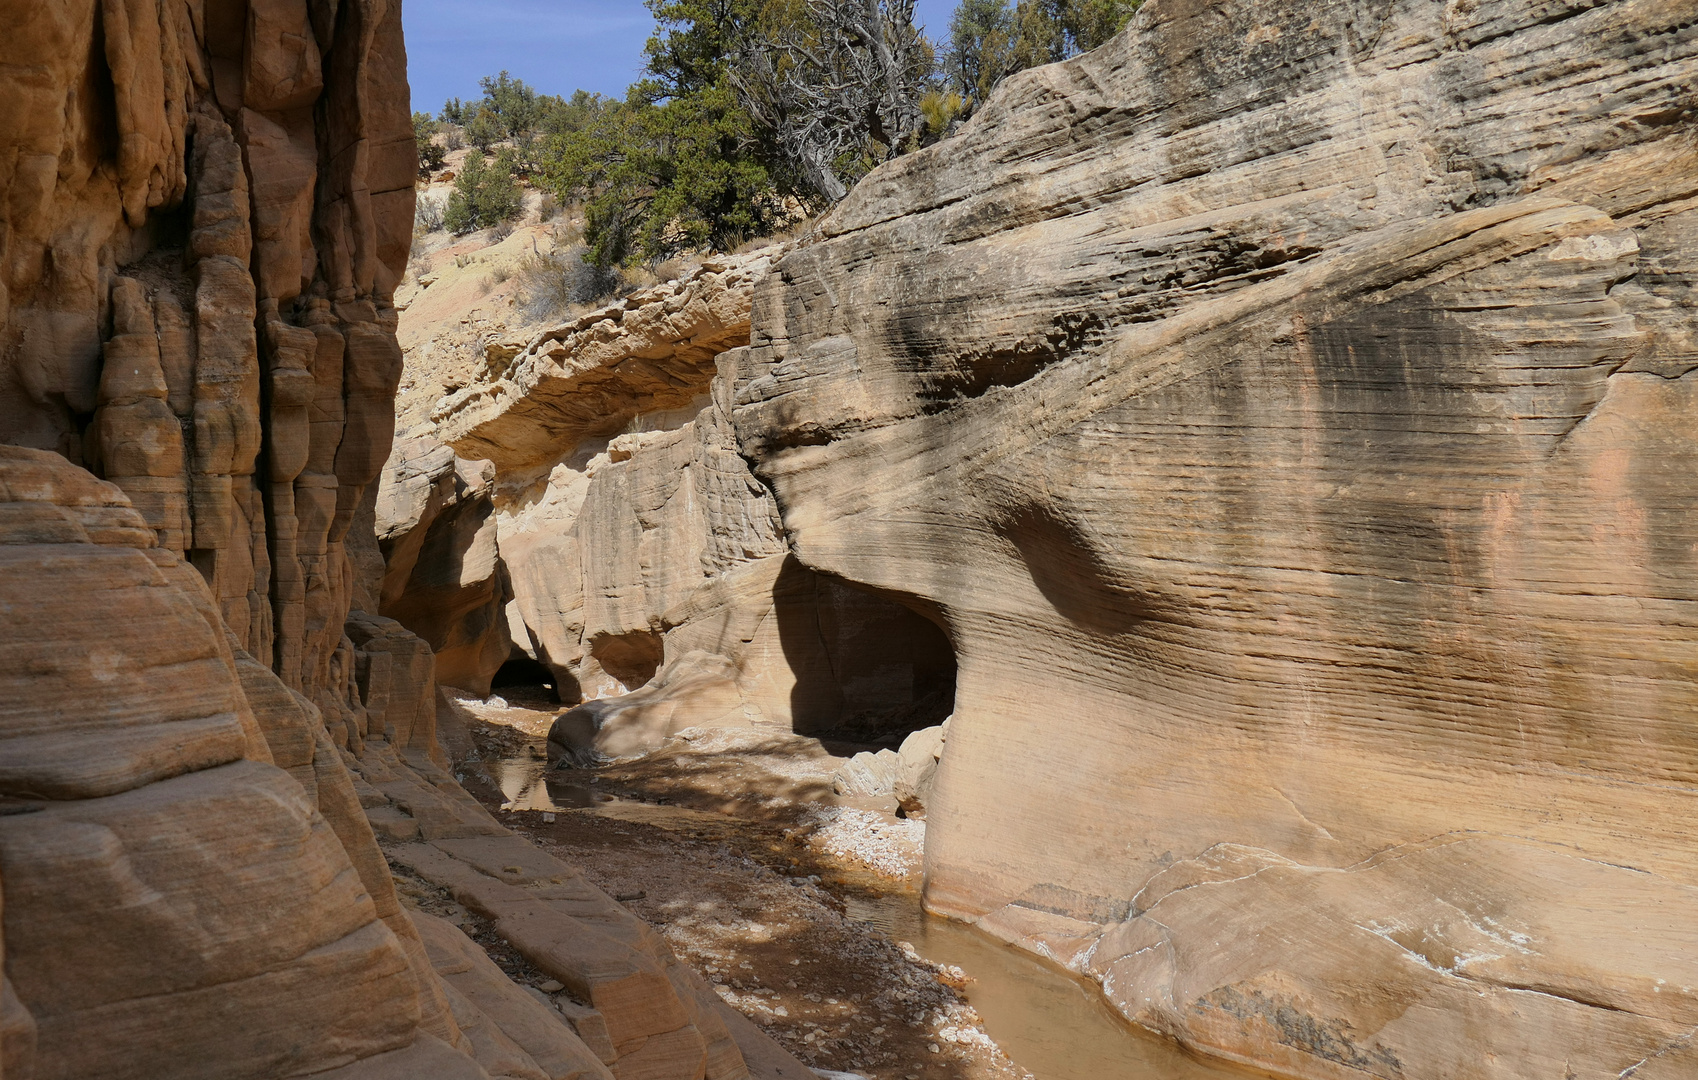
{"x": 524, "y": 672}
{"x": 869, "y": 669}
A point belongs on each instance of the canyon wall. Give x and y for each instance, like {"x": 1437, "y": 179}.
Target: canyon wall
{"x": 207, "y": 207}
{"x": 1289, "y": 408}
{"x": 599, "y": 500}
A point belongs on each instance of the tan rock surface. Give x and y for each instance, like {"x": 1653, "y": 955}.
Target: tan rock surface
{"x": 207, "y": 209}
{"x": 169, "y": 885}
{"x": 651, "y": 351}
{"x": 442, "y": 577}
{"x": 619, "y": 554}
{"x": 220, "y": 347}
{"x": 659, "y": 1018}
{"x": 1287, "y": 409}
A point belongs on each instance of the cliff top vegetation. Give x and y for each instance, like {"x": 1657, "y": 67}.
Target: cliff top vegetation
{"x": 750, "y": 115}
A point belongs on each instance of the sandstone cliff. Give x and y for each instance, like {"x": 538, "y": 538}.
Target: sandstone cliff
{"x": 599, "y": 521}
{"x": 207, "y": 207}
{"x": 1288, "y": 408}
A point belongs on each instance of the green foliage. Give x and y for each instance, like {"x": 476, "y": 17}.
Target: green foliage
{"x": 485, "y": 193}
{"x": 677, "y": 165}
{"x": 513, "y": 104}
{"x": 424, "y": 137}
{"x": 751, "y": 112}
{"x": 694, "y": 41}
{"x": 991, "y": 39}
{"x": 662, "y": 177}
{"x": 574, "y": 114}
{"x": 980, "y": 49}
{"x": 1090, "y": 23}
{"x": 484, "y": 130}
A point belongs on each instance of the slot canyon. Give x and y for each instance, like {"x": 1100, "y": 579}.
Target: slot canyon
{"x": 1192, "y": 573}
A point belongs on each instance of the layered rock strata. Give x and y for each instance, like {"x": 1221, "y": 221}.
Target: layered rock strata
{"x": 183, "y": 852}
{"x": 207, "y": 207}
{"x": 599, "y": 495}
{"x": 1288, "y": 409}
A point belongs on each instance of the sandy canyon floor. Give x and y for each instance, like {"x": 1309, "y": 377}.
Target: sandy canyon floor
{"x": 802, "y": 907}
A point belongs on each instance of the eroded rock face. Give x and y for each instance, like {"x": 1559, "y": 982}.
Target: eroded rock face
{"x": 1288, "y": 409}
{"x": 442, "y": 577}
{"x": 207, "y": 214}
{"x": 206, "y": 208}
{"x": 146, "y": 779}
{"x": 620, "y": 553}
{"x": 649, "y": 352}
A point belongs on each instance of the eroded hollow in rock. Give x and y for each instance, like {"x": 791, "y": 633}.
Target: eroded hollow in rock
{"x": 523, "y": 671}
{"x": 868, "y": 669}
{"x": 631, "y": 658}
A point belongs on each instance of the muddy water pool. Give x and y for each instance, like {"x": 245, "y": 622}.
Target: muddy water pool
{"x": 1052, "y": 1024}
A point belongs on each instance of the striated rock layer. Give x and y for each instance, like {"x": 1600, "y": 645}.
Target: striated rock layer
{"x": 191, "y": 888}
{"x": 601, "y": 523}
{"x": 1288, "y": 408}
{"x": 206, "y": 208}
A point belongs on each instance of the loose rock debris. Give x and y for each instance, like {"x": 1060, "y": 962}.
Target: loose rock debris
{"x": 754, "y": 906}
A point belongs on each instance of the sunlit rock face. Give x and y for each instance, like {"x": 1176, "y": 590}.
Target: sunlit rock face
{"x": 205, "y": 209}
{"x": 1288, "y": 409}
{"x": 208, "y": 208}
{"x": 599, "y": 523}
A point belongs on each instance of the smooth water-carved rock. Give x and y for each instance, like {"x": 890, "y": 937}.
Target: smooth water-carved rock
{"x": 649, "y": 352}
{"x": 164, "y": 875}
{"x": 620, "y": 554}
{"x": 1287, "y": 408}
{"x": 442, "y": 579}
{"x": 206, "y": 209}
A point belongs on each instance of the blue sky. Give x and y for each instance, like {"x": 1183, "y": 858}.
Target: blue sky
{"x": 557, "y": 46}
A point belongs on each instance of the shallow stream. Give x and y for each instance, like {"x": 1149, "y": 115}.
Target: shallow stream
{"x": 1052, "y": 1024}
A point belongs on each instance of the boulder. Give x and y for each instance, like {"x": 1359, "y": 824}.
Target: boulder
{"x": 699, "y": 690}
{"x": 868, "y": 774}
{"x": 916, "y": 768}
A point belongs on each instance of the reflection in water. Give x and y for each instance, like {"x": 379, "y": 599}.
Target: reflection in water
{"x": 526, "y": 786}
{"x": 1053, "y": 1025}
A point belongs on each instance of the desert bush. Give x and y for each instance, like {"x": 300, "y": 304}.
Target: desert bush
{"x": 485, "y": 194}
{"x": 941, "y": 109}
{"x": 484, "y": 130}
{"x": 453, "y": 137}
{"x": 550, "y": 285}
{"x": 424, "y": 139}
{"x": 427, "y": 215}
{"x": 501, "y": 232}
